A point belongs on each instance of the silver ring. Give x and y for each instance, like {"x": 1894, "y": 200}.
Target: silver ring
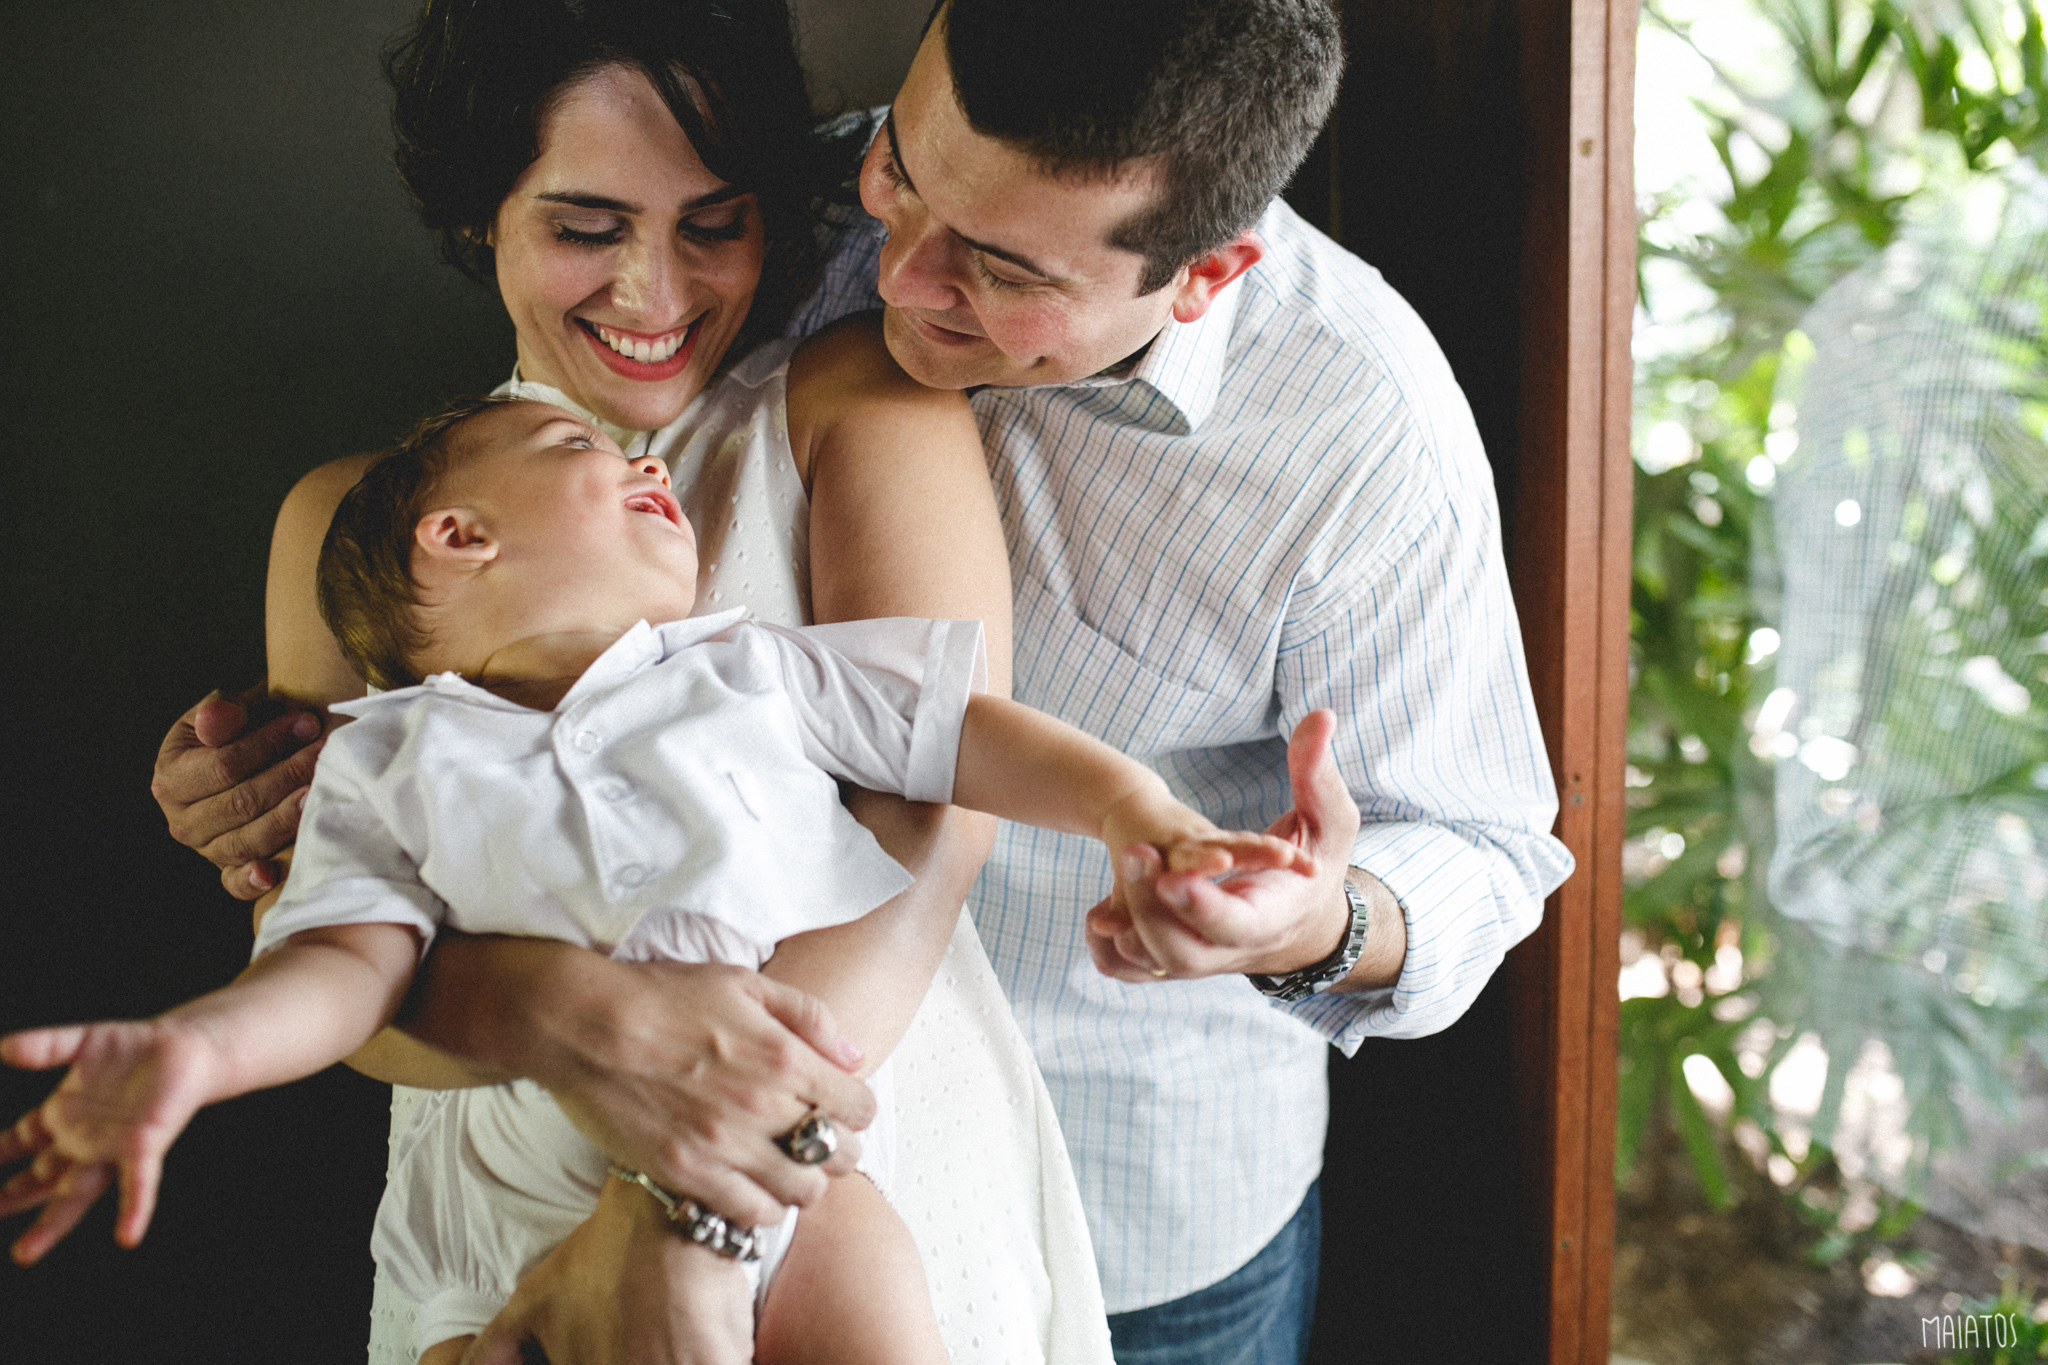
{"x": 812, "y": 1142}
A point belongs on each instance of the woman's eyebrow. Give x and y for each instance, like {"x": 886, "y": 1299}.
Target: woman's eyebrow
{"x": 577, "y": 199}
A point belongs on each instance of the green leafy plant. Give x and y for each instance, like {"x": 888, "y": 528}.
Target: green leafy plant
{"x": 1820, "y": 176}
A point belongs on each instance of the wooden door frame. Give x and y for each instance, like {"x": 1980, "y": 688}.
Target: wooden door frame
{"x": 1570, "y": 540}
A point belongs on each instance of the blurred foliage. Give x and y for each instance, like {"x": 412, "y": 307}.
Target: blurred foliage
{"x": 2021, "y": 1336}
{"x": 1819, "y": 176}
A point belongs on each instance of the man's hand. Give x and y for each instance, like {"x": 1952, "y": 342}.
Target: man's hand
{"x": 687, "y": 1071}
{"x": 625, "y": 1289}
{"x": 1159, "y": 924}
{"x": 235, "y": 797}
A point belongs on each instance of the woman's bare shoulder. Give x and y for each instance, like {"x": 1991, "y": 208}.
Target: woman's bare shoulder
{"x": 304, "y": 660}
{"x": 311, "y": 503}
{"x": 848, "y": 394}
{"x": 849, "y": 360}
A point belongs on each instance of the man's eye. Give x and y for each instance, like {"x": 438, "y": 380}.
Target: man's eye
{"x": 993, "y": 280}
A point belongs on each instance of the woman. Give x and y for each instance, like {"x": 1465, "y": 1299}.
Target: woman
{"x": 634, "y": 178}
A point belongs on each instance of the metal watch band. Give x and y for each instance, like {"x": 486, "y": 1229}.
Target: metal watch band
{"x": 698, "y": 1223}
{"x": 1318, "y": 977}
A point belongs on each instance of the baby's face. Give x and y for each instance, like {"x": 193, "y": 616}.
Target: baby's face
{"x": 584, "y": 535}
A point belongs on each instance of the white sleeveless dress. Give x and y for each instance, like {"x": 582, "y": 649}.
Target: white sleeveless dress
{"x": 981, "y": 1172}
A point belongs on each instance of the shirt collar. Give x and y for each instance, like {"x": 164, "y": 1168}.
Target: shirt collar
{"x": 638, "y": 648}
{"x": 1184, "y": 363}
{"x": 645, "y": 645}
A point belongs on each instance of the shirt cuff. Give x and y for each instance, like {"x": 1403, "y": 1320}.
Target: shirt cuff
{"x": 955, "y": 668}
{"x": 1464, "y": 903}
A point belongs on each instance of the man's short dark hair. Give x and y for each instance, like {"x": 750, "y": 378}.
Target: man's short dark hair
{"x": 368, "y": 596}
{"x": 1227, "y": 95}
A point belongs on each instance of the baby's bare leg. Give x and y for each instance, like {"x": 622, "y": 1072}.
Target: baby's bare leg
{"x": 851, "y": 1290}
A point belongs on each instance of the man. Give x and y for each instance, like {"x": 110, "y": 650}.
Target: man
{"x": 1239, "y": 483}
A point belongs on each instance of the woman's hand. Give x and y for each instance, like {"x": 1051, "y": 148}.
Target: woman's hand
{"x": 232, "y": 791}
{"x": 625, "y": 1289}
{"x": 688, "y": 1072}
{"x": 231, "y": 775}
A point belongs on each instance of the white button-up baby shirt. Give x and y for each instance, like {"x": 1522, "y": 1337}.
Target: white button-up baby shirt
{"x": 678, "y": 802}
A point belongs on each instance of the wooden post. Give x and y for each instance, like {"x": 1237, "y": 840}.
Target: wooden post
{"x": 1481, "y": 158}
{"x": 1571, "y": 537}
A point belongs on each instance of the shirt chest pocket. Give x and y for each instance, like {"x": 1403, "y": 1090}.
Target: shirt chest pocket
{"x": 1067, "y": 667}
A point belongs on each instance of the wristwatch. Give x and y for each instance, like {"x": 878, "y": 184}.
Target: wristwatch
{"x": 1318, "y": 977}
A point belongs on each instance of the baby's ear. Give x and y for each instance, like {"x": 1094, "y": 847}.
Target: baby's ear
{"x": 456, "y": 536}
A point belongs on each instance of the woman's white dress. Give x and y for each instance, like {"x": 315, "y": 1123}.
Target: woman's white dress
{"x": 981, "y": 1171}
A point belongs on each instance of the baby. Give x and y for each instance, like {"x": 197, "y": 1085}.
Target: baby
{"x": 586, "y": 761}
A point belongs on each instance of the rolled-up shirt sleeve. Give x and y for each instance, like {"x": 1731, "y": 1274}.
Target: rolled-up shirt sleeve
{"x": 882, "y": 702}
{"x": 1413, "y": 641}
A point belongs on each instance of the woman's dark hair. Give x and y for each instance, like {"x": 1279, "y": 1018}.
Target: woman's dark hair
{"x": 474, "y": 78}
{"x": 364, "y": 582}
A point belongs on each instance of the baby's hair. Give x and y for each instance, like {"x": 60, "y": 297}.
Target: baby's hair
{"x": 367, "y": 594}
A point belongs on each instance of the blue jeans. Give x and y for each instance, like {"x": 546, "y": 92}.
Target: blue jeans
{"x": 1260, "y": 1315}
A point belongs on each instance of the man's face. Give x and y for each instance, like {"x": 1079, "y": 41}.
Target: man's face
{"x": 996, "y": 272}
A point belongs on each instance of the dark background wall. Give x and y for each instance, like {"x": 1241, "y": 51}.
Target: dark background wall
{"x": 209, "y": 282}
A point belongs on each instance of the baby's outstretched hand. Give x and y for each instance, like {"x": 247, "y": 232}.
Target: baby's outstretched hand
{"x": 1156, "y": 841}
{"x": 131, "y": 1089}
{"x": 1179, "y": 912}
{"x": 1218, "y": 853}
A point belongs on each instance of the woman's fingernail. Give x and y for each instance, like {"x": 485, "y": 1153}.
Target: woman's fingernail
{"x": 306, "y": 727}
{"x": 1134, "y": 867}
{"x": 259, "y": 876}
{"x": 1174, "y": 895}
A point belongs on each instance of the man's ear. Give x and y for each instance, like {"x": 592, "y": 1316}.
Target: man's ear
{"x": 455, "y": 537}
{"x": 1205, "y": 278}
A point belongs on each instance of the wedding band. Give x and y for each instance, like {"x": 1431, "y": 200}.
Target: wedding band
{"x": 812, "y": 1142}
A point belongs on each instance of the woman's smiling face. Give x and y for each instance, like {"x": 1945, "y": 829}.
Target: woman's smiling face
{"x": 626, "y": 264}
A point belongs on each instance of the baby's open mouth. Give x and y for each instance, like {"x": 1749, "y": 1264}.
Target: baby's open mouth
{"x": 658, "y": 501}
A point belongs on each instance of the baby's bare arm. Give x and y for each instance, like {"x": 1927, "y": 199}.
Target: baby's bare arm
{"x": 133, "y": 1085}
{"x": 1026, "y": 766}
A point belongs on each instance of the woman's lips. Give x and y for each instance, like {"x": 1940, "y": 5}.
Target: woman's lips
{"x": 601, "y": 340}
